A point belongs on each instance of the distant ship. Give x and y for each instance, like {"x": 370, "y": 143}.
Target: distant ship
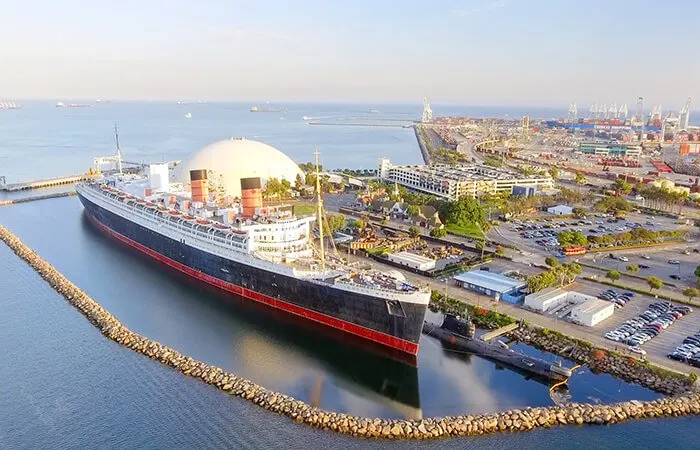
{"x": 99, "y": 100}
{"x": 9, "y": 105}
{"x": 257, "y": 109}
{"x": 188, "y": 116}
{"x": 373, "y": 111}
{"x": 72, "y": 105}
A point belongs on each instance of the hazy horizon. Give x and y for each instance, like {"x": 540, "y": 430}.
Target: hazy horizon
{"x": 506, "y": 53}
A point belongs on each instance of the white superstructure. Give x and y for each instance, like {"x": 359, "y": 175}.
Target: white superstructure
{"x": 278, "y": 242}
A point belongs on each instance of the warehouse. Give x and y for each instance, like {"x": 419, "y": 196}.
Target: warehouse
{"x": 592, "y": 312}
{"x": 491, "y": 284}
{"x": 546, "y": 299}
{"x": 412, "y": 260}
{"x": 560, "y": 210}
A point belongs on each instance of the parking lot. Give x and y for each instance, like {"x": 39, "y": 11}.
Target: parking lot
{"x": 654, "y": 261}
{"x": 659, "y": 346}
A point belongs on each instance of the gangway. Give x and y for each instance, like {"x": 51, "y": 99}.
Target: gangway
{"x": 499, "y": 332}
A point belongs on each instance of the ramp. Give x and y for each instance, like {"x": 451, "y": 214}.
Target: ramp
{"x": 503, "y": 330}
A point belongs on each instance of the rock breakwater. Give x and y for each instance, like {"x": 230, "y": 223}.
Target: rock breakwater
{"x": 628, "y": 368}
{"x": 464, "y": 425}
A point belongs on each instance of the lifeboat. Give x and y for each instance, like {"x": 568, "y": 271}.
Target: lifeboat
{"x": 172, "y": 212}
{"x": 202, "y": 221}
{"x": 220, "y": 226}
{"x": 187, "y": 216}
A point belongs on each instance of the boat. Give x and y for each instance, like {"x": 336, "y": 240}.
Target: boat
{"x": 72, "y": 105}
{"x": 9, "y": 105}
{"x": 260, "y": 253}
{"x": 188, "y": 116}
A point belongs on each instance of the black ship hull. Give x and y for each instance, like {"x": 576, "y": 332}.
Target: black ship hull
{"x": 365, "y": 316}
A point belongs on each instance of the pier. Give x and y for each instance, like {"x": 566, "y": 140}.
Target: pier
{"x": 47, "y": 182}
{"x": 499, "y": 332}
{"x": 35, "y": 198}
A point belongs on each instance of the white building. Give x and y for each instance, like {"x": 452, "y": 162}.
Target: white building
{"x": 546, "y": 299}
{"x": 592, "y": 312}
{"x": 454, "y": 181}
{"x": 412, "y": 260}
{"x": 560, "y": 210}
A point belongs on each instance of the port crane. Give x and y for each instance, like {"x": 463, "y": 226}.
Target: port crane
{"x": 684, "y": 116}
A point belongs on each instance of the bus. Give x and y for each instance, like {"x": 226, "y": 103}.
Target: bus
{"x": 571, "y": 251}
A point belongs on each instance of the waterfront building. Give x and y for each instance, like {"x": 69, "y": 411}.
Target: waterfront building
{"x": 454, "y": 181}
{"x": 490, "y": 284}
{"x": 412, "y": 260}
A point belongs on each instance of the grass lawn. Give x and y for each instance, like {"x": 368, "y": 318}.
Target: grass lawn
{"x": 471, "y": 231}
{"x": 304, "y": 210}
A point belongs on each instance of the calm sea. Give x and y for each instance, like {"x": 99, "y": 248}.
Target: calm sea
{"x": 65, "y": 386}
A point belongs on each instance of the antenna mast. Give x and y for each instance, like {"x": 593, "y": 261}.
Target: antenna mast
{"x": 119, "y": 152}
{"x": 319, "y": 213}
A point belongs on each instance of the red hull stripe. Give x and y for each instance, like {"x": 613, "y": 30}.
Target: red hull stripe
{"x": 348, "y": 327}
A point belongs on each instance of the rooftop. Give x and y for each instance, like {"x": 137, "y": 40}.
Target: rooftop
{"x": 489, "y": 280}
{"x": 592, "y": 306}
{"x": 547, "y": 294}
{"x": 408, "y": 256}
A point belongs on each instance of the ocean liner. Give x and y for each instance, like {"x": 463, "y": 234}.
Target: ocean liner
{"x": 263, "y": 253}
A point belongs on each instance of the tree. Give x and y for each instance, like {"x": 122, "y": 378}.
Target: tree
{"x": 438, "y": 232}
{"x": 569, "y": 196}
{"x": 613, "y": 205}
{"x": 613, "y": 275}
{"x": 464, "y": 212}
{"x": 500, "y": 250}
{"x": 554, "y": 173}
{"x": 580, "y": 178}
{"x": 633, "y": 268}
{"x": 654, "y": 283}
{"x": 691, "y": 293}
{"x": 298, "y": 182}
{"x": 697, "y": 273}
{"x": 412, "y": 210}
{"x": 413, "y": 231}
{"x": 579, "y": 213}
{"x": 621, "y": 187}
{"x": 551, "y": 261}
{"x": 334, "y": 223}
{"x": 572, "y": 239}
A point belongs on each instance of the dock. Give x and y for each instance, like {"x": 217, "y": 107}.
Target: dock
{"x": 499, "y": 332}
{"x": 46, "y": 182}
{"x": 37, "y": 197}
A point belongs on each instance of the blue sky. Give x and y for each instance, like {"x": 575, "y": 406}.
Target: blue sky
{"x": 472, "y": 52}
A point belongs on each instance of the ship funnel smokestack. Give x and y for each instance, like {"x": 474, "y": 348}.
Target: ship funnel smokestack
{"x": 199, "y": 185}
{"x": 251, "y": 195}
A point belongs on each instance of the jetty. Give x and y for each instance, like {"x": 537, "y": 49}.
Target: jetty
{"x": 46, "y": 182}
{"x": 499, "y": 332}
{"x": 36, "y": 197}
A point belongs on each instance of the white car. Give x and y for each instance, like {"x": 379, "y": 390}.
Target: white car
{"x": 623, "y": 258}
{"x": 646, "y": 256}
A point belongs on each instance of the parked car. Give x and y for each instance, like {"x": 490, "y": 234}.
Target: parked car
{"x": 674, "y": 261}
{"x": 642, "y": 266}
{"x": 646, "y": 256}
{"x": 675, "y": 277}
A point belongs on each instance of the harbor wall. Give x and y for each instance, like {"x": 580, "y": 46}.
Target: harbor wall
{"x": 422, "y": 145}
{"x": 463, "y": 425}
{"x": 35, "y": 198}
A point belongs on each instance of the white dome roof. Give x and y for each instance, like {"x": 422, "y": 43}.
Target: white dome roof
{"x": 238, "y": 158}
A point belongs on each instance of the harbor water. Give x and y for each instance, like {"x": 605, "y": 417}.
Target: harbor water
{"x": 65, "y": 386}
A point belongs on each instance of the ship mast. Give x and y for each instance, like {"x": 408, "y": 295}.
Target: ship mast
{"x": 319, "y": 213}
{"x": 119, "y": 152}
